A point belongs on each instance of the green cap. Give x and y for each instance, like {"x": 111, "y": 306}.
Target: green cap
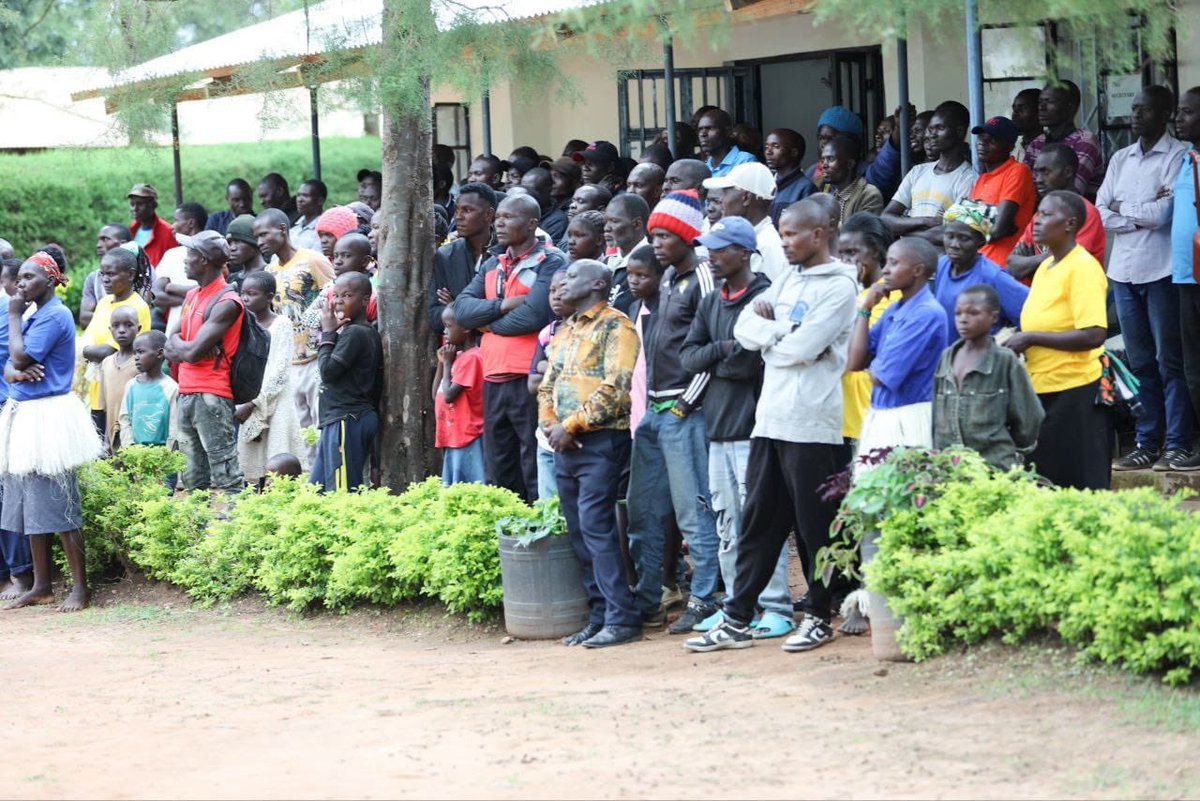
{"x": 241, "y": 228}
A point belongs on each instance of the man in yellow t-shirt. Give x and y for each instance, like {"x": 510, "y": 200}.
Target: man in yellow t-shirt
{"x": 117, "y": 272}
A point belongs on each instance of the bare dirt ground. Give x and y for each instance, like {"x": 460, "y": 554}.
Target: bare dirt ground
{"x": 146, "y": 697}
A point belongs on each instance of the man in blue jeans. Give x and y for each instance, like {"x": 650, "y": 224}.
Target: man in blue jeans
{"x": 1135, "y": 203}
{"x": 669, "y": 466}
{"x": 583, "y": 409}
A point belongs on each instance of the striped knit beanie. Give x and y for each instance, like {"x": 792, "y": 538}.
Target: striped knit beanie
{"x": 338, "y": 221}
{"x": 680, "y": 213}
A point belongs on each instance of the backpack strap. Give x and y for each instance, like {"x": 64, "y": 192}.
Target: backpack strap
{"x": 220, "y": 348}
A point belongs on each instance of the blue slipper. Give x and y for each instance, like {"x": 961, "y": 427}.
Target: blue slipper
{"x": 711, "y": 622}
{"x": 773, "y": 624}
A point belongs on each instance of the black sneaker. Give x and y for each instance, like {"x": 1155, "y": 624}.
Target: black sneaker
{"x": 726, "y": 635}
{"x": 1137, "y": 459}
{"x": 1172, "y": 457}
{"x": 694, "y": 613}
{"x": 813, "y": 632}
{"x": 1187, "y": 465}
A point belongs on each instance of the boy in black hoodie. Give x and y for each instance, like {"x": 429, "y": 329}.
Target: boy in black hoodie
{"x": 729, "y": 408}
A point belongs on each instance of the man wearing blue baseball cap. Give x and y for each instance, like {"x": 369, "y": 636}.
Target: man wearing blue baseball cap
{"x": 1005, "y": 183}
{"x": 729, "y": 407}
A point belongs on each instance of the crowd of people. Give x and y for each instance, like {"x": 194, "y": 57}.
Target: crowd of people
{"x": 682, "y": 349}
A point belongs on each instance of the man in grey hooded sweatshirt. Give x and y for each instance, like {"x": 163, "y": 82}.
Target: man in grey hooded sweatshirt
{"x": 801, "y": 325}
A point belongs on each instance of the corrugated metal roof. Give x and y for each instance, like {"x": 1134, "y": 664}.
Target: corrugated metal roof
{"x": 332, "y": 25}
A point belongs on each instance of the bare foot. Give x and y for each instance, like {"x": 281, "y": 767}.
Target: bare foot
{"x": 34, "y": 597}
{"x": 855, "y": 624}
{"x": 15, "y": 588}
{"x": 76, "y": 601}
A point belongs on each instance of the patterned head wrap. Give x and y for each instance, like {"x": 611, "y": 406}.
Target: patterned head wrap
{"x": 975, "y": 214}
{"x": 50, "y": 266}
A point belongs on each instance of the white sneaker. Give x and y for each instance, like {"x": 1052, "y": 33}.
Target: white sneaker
{"x": 812, "y": 633}
{"x": 722, "y": 637}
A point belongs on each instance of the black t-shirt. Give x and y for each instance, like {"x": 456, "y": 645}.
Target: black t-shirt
{"x": 351, "y": 373}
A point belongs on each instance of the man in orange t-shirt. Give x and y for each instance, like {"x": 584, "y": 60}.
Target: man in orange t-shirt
{"x": 1004, "y": 183}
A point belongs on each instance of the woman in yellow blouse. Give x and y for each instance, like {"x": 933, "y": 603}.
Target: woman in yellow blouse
{"x": 1063, "y": 327}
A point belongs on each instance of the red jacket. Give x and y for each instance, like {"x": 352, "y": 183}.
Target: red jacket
{"x": 508, "y": 344}
{"x": 162, "y": 239}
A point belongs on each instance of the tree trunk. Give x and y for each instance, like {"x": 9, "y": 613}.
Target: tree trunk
{"x": 406, "y": 249}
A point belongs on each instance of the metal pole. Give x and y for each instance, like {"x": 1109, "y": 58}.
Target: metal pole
{"x": 905, "y": 121}
{"x": 175, "y": 154}
{"x": 487, "y": 122}
{"x": 974, "y": 71}
{"x": 669, "y": 80}
{"x": 316, "y": 132}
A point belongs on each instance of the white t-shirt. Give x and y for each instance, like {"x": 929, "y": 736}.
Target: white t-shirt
{"x": 172, "y": 268}
{"x": 770, "y": 260}
{"x": 926, "y": 193}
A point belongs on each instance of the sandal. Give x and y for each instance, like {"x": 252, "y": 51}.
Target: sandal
{"x": 773, "y": 624}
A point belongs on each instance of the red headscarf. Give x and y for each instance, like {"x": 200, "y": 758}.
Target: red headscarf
{"x": 50, "y": 266}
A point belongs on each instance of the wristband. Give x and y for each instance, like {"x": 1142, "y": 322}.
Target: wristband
{"x": 865, "y": 313}
{"x": 675, "y": 410}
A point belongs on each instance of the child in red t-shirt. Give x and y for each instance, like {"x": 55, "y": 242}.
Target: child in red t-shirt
{"x": 458, "y": 403}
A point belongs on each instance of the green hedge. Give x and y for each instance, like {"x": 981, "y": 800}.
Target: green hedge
{"x": 299, "y": 548}
{"x": 1116, "y": 574}
{"x": 65, "y": 195}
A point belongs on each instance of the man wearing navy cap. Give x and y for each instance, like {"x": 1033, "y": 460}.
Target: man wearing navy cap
{"x": 729, "y": 405}
{"x": 599, "y": 165}
{"x": 1005, "y": 183}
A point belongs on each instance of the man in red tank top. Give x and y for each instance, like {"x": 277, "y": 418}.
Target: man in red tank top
{"x": 203, "y": 348}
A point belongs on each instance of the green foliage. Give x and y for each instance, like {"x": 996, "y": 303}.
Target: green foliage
{"x": 166, "y": 531}
{"x": 547, "y": 521}
{"x": 1106, "y": 23}
{"x": 302, "y": 549}
{"x": 906, "y": 478}
{"x": 113, "y": 492}
{"x": 464, "y": 566}
{"x": 65, "y": 195}
{"x": 1115, "y": 574}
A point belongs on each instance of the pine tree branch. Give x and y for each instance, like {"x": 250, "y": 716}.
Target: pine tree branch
{"x": 41, "y": 18}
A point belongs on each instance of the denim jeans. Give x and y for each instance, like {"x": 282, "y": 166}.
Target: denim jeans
{"x": 1149, "y": 315}
{"x": 670, "y": 469}
{"x": 207, "y": 437}
{"x": 463, "y": 465}
{"x": 547, "y": 483}
{"x": 587, "y": 480}
{"x": 727, "y": 480}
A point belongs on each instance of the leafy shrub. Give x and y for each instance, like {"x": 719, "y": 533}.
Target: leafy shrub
{"x": 1116, "y": 574}
{"x": 224, "y": 561}
{"x": 387, "y": 562}
{"x": 166, "y": 532}
{"x": 547, "y": 521}
{"x": 65, "y": 195}
{"x": 900, "y": 479}
{"x": 113, "y": 492}
{"x": 464, "y": 566}
{"x": 296, "y": 559}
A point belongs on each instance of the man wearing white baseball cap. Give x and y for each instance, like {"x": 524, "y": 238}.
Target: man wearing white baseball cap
{"x": 747, "y": 192}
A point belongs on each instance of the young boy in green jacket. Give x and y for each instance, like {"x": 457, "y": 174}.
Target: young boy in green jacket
{"x": 982, "y": 396}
